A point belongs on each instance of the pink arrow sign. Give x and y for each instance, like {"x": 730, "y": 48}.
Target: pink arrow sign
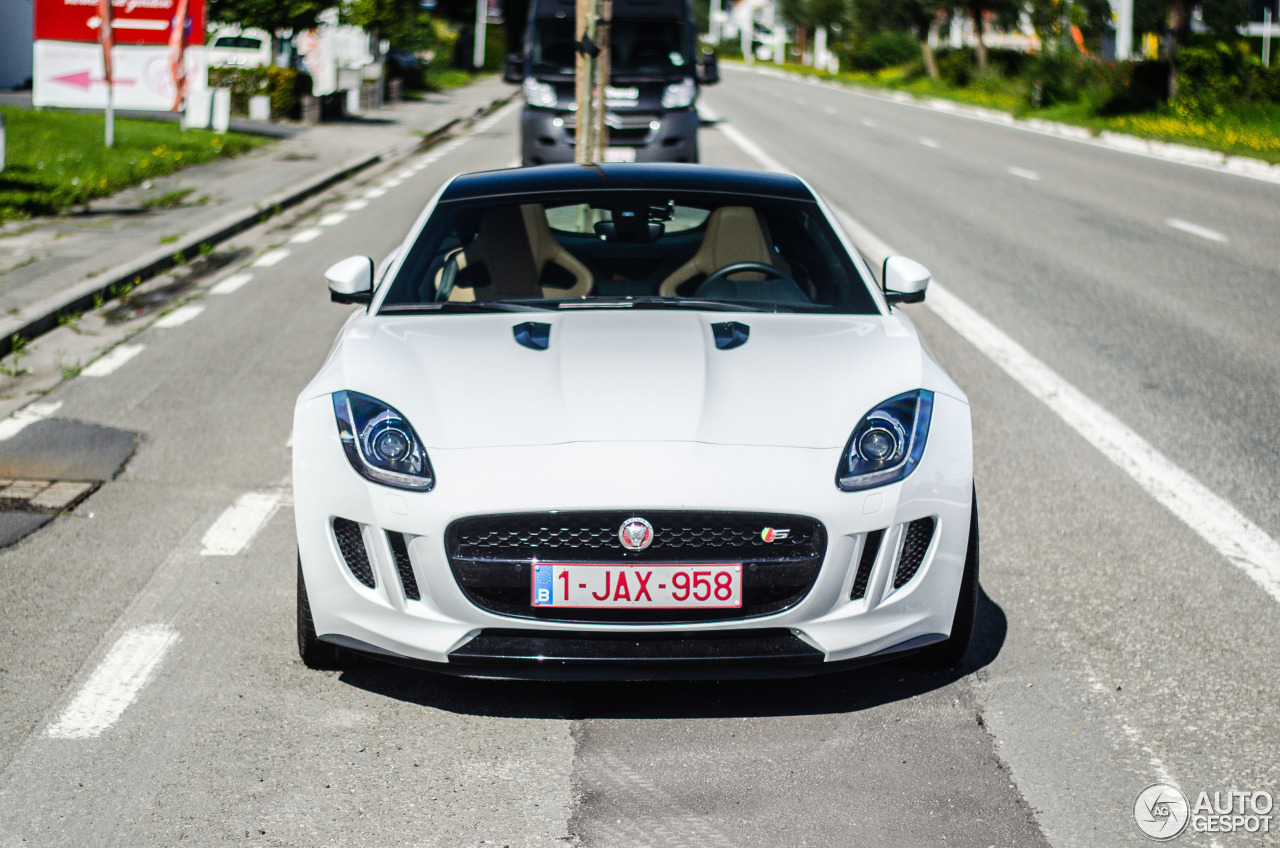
{"x": 82, "y": 80}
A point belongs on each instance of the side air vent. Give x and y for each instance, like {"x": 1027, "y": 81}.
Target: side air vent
{"x": 351, "y": 543}
{"x": 534, "y": 335}
{"x": 914, "y": 545}
{"x": 869, "y": 550}
{"x": 730, "y": 334}
{"x": 400, "y": 550}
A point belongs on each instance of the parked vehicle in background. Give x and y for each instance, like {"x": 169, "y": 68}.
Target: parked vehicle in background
{"x": 249, "y": 48}
{"x": 655, "y": 71}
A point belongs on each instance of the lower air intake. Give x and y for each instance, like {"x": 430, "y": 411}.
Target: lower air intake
{"x": 869, "y": 550}
{"x": 400, "y": 550}
{"x": 351, "y": 544}
{"x": 914, "y": 546}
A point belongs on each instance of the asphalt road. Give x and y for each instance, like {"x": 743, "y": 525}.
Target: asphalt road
{"x": 1116, "y": 646}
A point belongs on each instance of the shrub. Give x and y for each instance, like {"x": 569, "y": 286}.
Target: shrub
{"x": 1137, "y": 87}
{"x": 886, "y": 49}
{"x": 1061, "y": 75}
{"x": 283, "y": 85}
{"x": 957, "y": 66}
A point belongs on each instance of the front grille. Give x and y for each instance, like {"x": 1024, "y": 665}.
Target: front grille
{"x": 914, "y": 546}
{"x": 400, "y": 551}
{"x": 492, "y": 555}
{"x": 870, "y": 548}
{"x": 351, "y": 544}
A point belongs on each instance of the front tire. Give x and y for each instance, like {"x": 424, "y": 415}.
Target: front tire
{"x": 950, "y": 652}
{"x": 315, "y": 654}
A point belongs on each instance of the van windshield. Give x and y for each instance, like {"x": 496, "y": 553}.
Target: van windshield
{"x": 640, "y": 47}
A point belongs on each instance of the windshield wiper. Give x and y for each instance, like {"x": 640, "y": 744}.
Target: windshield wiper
{"x": 460, "y": 307}
{"x": 656, "y": 302}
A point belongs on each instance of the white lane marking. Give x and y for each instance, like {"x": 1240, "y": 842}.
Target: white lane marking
{"x": 392, "y": 183}
{"x": 928, "y": 142}
{"x": 110, "y": 363}
{"x": 114, "y": 684}
{"x": 1024, "y": 173}
{"x": 306, "y": 236}
{"x": 232, "y": 283}
{"x": 273, "y": 257}
{"x": 830, "y": 110}
{"x": 1195, "y": 229}
{"x": 355, "y": 206}
{"x": 332, "y": 219}
{"x": 752, "y": 149}
{"x": 867, "y": 122}
{"x": 374, "y": 193}
{"x": 239, "y": 523}
{"x": 405, "y": 174}
{"x": 20, "y": 420}
{"x": 179, "y": 316}
{"x": 1238, "y": 539}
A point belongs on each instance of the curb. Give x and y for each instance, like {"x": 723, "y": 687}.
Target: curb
{"x": 42, "y": 316}
{"x": 1166, "y": 151}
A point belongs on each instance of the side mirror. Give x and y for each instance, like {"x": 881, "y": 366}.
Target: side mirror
{"x": 708, "y": 68}
{"x": 351, "y": 280}
{"x": 904, "y": 280}
{"x": 513, "y": 69}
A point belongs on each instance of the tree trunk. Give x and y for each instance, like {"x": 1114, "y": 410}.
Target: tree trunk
{"x": 1177, "y": 22}
{"x": 926, "y": 49}
{"x": 976, "y": 12}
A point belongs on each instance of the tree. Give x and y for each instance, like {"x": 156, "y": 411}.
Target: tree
{"x": 270, "y": 15}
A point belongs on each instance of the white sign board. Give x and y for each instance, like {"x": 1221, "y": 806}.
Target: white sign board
{"x": 69, "y": 74}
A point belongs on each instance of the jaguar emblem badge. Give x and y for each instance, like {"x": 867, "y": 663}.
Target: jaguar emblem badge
{"x": 635, "y": 534}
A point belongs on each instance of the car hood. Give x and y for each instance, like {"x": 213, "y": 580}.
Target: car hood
{"x": 636, "y": 375}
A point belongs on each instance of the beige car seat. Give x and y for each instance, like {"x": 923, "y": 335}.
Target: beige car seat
{"x": 515, "y": 244}
{"x": 734, "y": 234}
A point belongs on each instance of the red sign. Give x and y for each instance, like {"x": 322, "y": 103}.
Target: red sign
{"x": 136, "y": 21}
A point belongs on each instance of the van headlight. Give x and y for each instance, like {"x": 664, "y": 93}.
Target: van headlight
{"x": 679, "y": 94}
{"x": 539, "y": 94}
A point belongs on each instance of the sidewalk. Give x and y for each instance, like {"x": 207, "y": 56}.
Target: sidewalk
{"x": 59, "y": 264}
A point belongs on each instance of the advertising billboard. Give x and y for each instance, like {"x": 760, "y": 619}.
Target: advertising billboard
{"x": 136, "y": 21}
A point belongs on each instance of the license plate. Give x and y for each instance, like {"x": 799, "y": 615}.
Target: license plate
{"x": 686, "y": 586}
{"x": 619, "y": 154}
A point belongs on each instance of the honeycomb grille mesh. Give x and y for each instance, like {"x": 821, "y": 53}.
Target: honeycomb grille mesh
{"x": 351, "y": 543}
{"x": 400, "y": 550}
{"x": 869, "y": 550}
{"x": 914, "y": 546}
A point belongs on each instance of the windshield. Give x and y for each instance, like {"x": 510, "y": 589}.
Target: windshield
{"x": 640, "y": 47}
{"x": 630, "y": 248}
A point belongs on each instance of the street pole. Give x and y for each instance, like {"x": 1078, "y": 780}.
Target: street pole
{"x": 715, "y": 23}
{"x": 1, "y": 143}
{"x": 477, "y": 49}
{"x": 1266, "y": 37}
{"x": 1124, "y": 30}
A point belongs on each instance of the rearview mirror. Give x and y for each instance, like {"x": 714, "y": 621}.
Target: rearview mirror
{"x": 708, "y": 68}
{"x": 513, "y": 69}
{"x": 904, "y": 280}
{"x": 351, "y": 280}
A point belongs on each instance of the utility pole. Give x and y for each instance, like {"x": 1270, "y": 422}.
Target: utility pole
{"x": 584, "y": 152}
{"x": 604, "y": 22}
{"x": 1124, "y": 30}
{"x": 477, "y": 48}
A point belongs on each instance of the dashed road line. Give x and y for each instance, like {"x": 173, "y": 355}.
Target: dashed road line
{"x": 374, "y": 193}
{"x": 20, "y": 420}
{"x": 114, "y": 684}
{"x": 112, "y": 362}
{"x": 1024, "y": 173}
{"x": 355, "y": 206}
{"x": 405, "y": 174}
{"x": 392, "y": 183}
{"x": 928, "y": 142}
{"x": 179, "y": 316}
{"x": 306, "y": 236}
{"x": 831, "y": 110}
{"x": 1196, "y": 230}
{"x": 270, "y": 258}
{"x": 239, "y": 523}
{"x": 332, "y": 219}
{"x": 233, "y": 283}
{"x": 867, "y": 122}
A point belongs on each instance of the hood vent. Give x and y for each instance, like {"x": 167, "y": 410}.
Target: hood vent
{"x": 533, "y": 334}
{"x": 730, "y": 334}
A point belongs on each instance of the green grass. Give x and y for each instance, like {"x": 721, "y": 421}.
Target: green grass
{"x": 1252, "y": 131}
{"x": 56, "y": 160}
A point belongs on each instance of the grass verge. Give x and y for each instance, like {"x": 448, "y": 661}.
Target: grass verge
{"x": 56, "y": 160}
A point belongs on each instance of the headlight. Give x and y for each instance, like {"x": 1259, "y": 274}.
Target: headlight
{"x": 888, "y": 442}
{"x": 679, "y": 95}
{"x": 380, "y": 444}
{"x": 541, "y": 94}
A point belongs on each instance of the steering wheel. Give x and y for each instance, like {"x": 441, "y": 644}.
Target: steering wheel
{"x": 725, "y": 272}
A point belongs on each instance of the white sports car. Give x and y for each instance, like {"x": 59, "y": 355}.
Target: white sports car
{"x": 632, "y": 421}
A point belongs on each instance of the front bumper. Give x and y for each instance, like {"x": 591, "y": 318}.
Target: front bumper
{"x": 442, "y": 627}
{"x": 547, "y": 136}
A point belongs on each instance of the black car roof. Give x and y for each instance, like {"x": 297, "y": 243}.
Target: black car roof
{"x": 614, "y": 177}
